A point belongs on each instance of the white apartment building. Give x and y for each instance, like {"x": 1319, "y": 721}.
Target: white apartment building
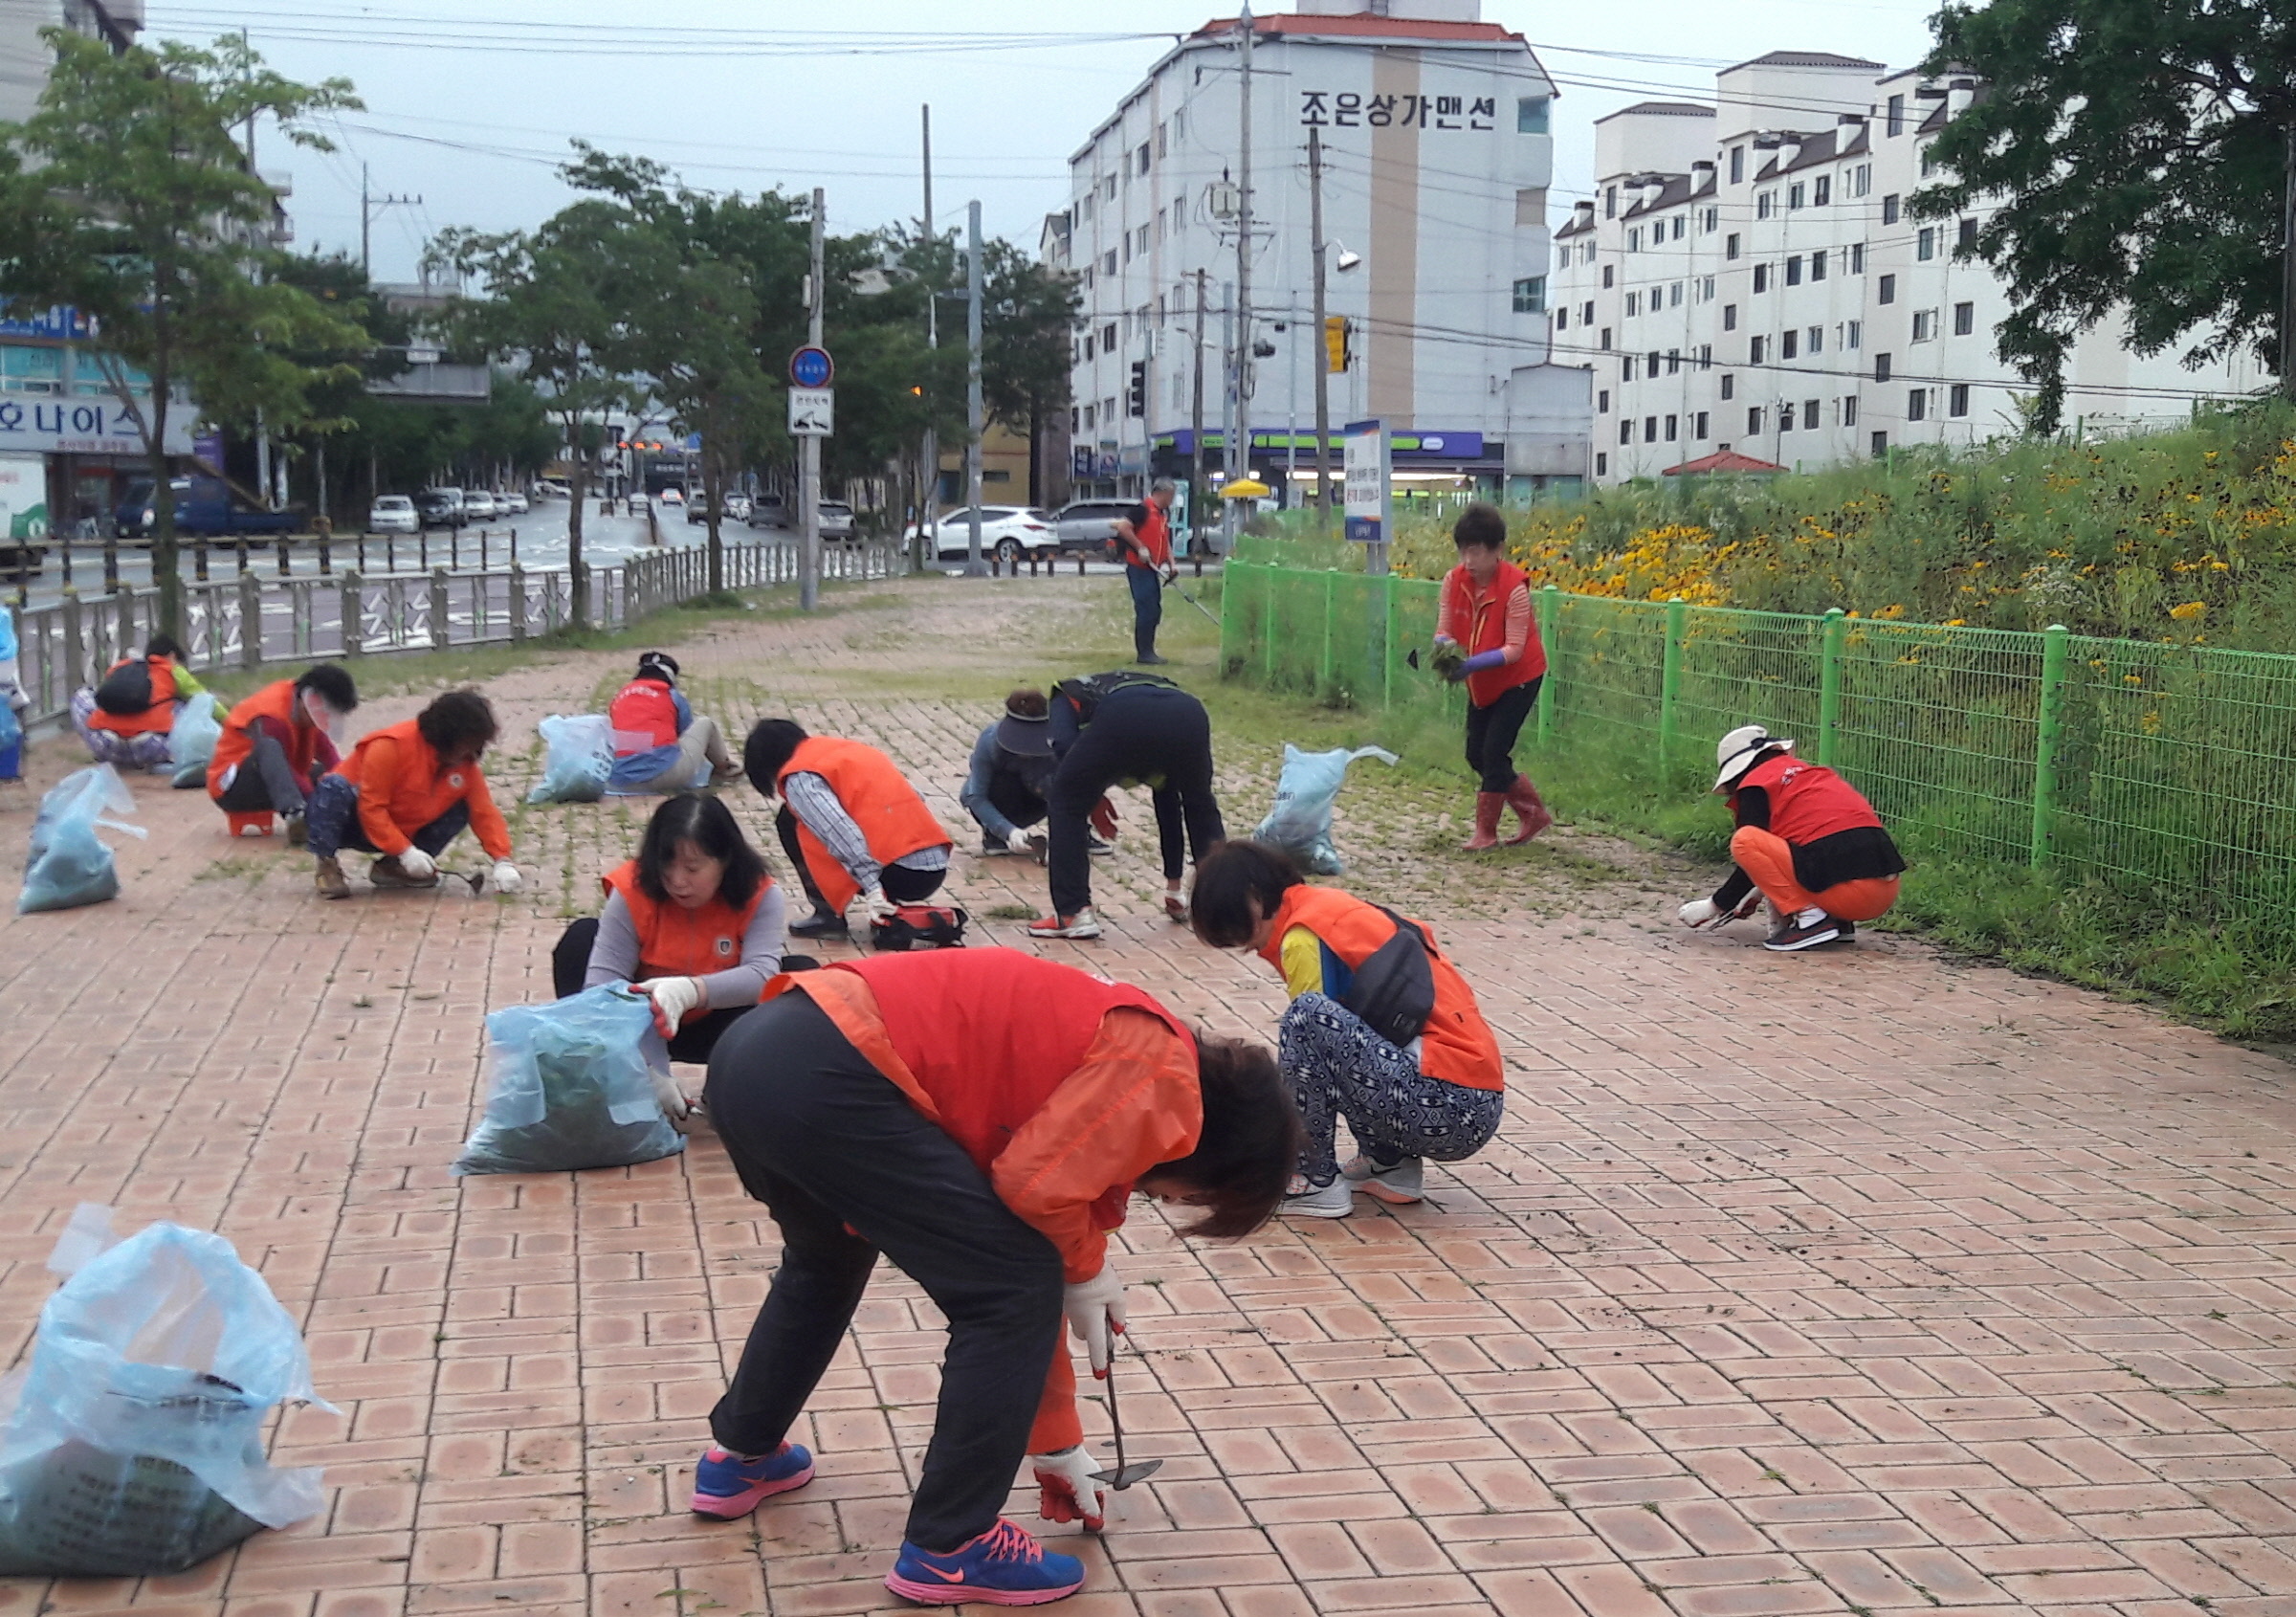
{"x": 1436, "y": 162}
{"x": 25, "y": 58}
{"x": 1748, "y": 280}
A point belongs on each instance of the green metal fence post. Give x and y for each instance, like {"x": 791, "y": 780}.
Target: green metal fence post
{"x": 1829, "y": 680}
{"x": 1227, "y": 624}
{"x": 1549, "y": 633}
{"x": 1268, "y": 628}
{"x": 1387, "y": 639}
{"x": 2048, "y": 731}
{"x": 1323, "y": 667}
{"x": 1670, "y": 682}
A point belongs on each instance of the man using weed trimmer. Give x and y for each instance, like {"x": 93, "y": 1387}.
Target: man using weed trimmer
{"x": 1807, "y": 841}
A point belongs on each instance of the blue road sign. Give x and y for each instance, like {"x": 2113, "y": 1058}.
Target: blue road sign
{"x": 811, "y": 368}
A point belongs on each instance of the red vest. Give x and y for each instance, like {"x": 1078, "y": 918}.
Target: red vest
{"x": 990, "y": 1034}
{"x": 643, "y": 707}
{"x": 893, "y": 820}
{"x": 272, "y": 701}
{"x": 159, "y": 715}
{"x": 1808, "y": 801}
{"x": 1457, "y": 1045}
{"x": 1155, "y": 535}
{"x": 675, "y": 941}
{"x": 1486, "y": 618}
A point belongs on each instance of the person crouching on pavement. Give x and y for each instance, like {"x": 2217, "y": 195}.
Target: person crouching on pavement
{"x": 668, "y": 747}
{"x": 127, "y": 719}
{"x": 1487, "y": 636}
{"x": 277, "y": 743}
{"x": 979, "y": 1116}
{"x": 850, "y": 823}
{"x": 1381, "y": 1029}
{"x": 1011, "y": 766}
{"x": 405, "y": 791}
{"x": 1807, "y": 841}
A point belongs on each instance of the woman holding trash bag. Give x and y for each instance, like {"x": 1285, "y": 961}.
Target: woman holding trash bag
{"x": 276, "y": 744}
{"x": 1485, "y": 635}
{"x": 659, "y": 743}
{"x": 126, "y": 718}
{"x": 979, "y": 1116}
{"x": 1381, "y": 1031}
{"x": 409, "y": 789}
{"x": 850, "y": 823}
{"x": 695, "y": 923}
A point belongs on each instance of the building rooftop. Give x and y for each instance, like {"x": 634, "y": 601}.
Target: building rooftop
{"x": 1659, "y": 109}
{"x": 1809, "y": 58}
{"x": 1722, "y": 463}
{"x": 1364, "y": 25}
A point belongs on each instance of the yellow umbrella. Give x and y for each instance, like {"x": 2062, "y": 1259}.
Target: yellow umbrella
{"x": 1245, "y": 487}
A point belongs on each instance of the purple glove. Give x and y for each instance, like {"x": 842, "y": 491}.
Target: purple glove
{"x": 1495, "y": 657}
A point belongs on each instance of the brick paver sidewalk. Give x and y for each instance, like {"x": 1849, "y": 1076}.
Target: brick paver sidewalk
{"x": 1857, "y": 1280}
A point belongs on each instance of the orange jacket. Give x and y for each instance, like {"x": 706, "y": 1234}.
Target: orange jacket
{"x": 675, "y": 941}
{"x": 893, "y": 820}
{"x": 1064, "y": 1089}
{"x": 1456, "y": 1045}
{"x": 403, "y": 788}
{"x": 159, "y": 715}
{"x": 1484, "y": 617}
{"x": 1808, "y": 801}
{"x": 271, "y": 710}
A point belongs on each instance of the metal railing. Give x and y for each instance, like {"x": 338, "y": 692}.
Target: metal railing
{"x": 253, "y": 619}
{"x": 2163, "y": 767}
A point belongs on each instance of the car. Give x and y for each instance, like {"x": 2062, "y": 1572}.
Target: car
{"x": 836, "y": 521}
{"x": 477, "y": 506}
{"x": 392, "y": 513}
{"x": 639, "y": 506}
{"x": 671, "y": 496}
{"x": 439, "y": 508}
{"x": 736, "y": 508}
{"x": 1089, "y": 525}
{"x": 511, "y": 504}
{"x": 771, "y": 511}
{"x": 203, "y": 506}
{"x": 697, "y": 510}
{"x": 550, "y": 488}
{"x": 1007, "y": 532}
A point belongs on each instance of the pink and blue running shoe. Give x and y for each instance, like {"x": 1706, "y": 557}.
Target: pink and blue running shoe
{"x": 727, "y": 1485}
{"x": 1004, "y": 1567}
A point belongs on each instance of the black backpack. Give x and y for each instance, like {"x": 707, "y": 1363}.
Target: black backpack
{"x": 1086, "y": 692}
{"x": 1394, "y": 988}
{"x": 126, "y": 691}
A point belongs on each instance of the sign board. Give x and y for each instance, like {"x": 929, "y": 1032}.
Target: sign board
{"x": 36, "y": 426}
{"x": 1368, "y": 474}
{"x": 23, "y": 497}
{"x": 811, "y": 369}
{"x": 813, "y": 412}
{"x": 58, "y": 323}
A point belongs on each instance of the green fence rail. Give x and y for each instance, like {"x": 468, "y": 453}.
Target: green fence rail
{"x": 2167, "y": 769}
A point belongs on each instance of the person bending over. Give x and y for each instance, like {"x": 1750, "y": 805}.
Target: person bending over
{"x": 849, "y": 821}
{"x": 979, "y": 1116}
{"x": 1381, "y": 1029}
{"x": 1487, "y": 636}
{"x": 277, "y": 743}
{"x": 405, "y": 791}
{"x": 659, "y": 743}
{"x": 1807, "y": 841}
{"x": 127, "y": 719}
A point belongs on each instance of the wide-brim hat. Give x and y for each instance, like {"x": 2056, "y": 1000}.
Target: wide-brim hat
{"x": 1741, "y": 749}
{"x": 1026, "y": 737}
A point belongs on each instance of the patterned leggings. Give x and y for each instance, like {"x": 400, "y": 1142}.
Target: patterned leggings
{"x": 146, "y": 751}
{"x": 1338, "y": 1067}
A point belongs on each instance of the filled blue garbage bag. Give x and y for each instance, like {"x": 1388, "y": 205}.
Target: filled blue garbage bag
{"x": 572, "y": 1086}
{"x": 191, "y": 741}
{"x": 70, "y": 865}
{"x": 134, "y": 1447}
{"x": 1301, "y": 821}
{"x": 12, "y": 733}
{"x": 577, "y": 759}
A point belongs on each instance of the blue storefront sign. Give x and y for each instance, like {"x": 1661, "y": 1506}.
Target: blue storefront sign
{"x": 59, "y": 324}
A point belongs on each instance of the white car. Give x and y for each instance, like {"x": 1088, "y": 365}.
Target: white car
{"x": 549, "y": 488}
{"x": 1007, "y": 532}
{"x": 478, "y": 505}
{"x": 511, "y": 505}
{"x": 392, "y": 513}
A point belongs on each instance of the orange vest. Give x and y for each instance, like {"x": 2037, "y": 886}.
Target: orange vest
{"x": 159, "y": 715}
{"x": 675, "y": 941}
{"x": 1156, "y": 537}
{"x": 1808, "y": 801}
{"x": 1456, "y": 1045}
{"x": 893, "y": 820}
{"x": 422, "y": 790}
{"x": 644, "y": 706}
{"x": 1486, "y": 618}
{"x": 272, "y": 701}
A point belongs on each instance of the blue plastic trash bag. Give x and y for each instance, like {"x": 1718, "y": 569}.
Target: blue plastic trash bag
{"x": 134, "y": 1447}
{"x": 580, "y": 759}
{"x": 1301, "y": 821}
{"x": 191, "y": 743}
{"x": 70, "y": 864}
{"x": 573, "y": 1087}
{"x": 12, "y": 736}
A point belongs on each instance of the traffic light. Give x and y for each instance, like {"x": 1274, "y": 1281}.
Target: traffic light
{"x": 1135, "y": 399}
{"x": 1335, "y": 334}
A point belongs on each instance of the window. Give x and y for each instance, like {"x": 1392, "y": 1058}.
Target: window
{"x": 1075, "y": 418}
{"x": 1853, "y": 334}
{"x": 1090, "y": 412}
{"x": 1626, "y": 368}
{"x": 1108, "y": 262}
{"x": 1607, "y": 270}
{"x": 1530, "y": 294}
{"x": 1917, "y": 405}
{"x": 1925, "y": 324}
{"x": 1753, "y": 421}
{"x": 1850, "y": 410}
{"x": 1562, "y": 320}
{"x": 1884, "y": 290}
{"x": 1965, "y": 233}
{"x": 1756, "y": 348}
{"x": 1708, "y": 220}
{"x": 1602, "y": 400}
{"x": 1108, "y": 338}
{"x": 1929, "y": 163}
{"x": 1729, "y": 386}
{"x": 1881, "y": 367}
{"x": 1925, "y": 243}
{"x": 1706, "y": 289}
{"x": 1965, "y": 318}
{"x": 1789, "y": 344}
{"x": 1880, "y": 445}
{"x": 1605, "y": 342}
{"x": 1705, "y": 356}
{"x": 1738, "y": 165}
{"x": 1610, "y": 202}
{"x": 1649, "y": 428}
{"x": 1957, "y": 399}
{"x": 1674, "y": 231}
{"x": 1815, "y": 342}
{"x": 1811, "y": 413}
{"x": 1087, "y": 347}
{"x": 1817, "y": 265}
{"x": 1088, "y": 277}
{"x": 1162, "y": 144}
{"x": 1797, "y": 196}
{"x": 1634, "y": 305}
{"x": 1531, "y": 115}
{"x": 1821, "y": 190}
{"x": 1785, "y": 418}
{"x": 1730, "y": 245}
{"x": 1761, "y": 277}
{"x": 1562, "y": 253}
{"x": 1674, "y": 295}
{"x": 1627, "y": 432}
{"x": 1856, "y": 258}
{"x": 1794, "y": 269}
{"x": 1729, "y": 317}
{"x": 1890, "y": 208}
{"x": 1530, "y": 208}
{"x": 1673, "y": 361}
{"x": 1144, "y": 157}
{"x": 1651, "y": 368}
{"x": 1765, "y": 203}
{"x": 1672, "y": 425}
{"x": 1634, "y": 240}
{"x": 34, "y": 370}
{"x": 1602, "y": 465}
{"x": 1698, "y": 425}
{"x": 1897, "y": 115}
{"x": 1861, "y": 179}
{"x": 1586, "y": 313}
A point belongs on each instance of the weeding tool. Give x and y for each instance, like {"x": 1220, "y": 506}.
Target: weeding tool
{"x": 1173, "y": 584}
{"x": 1123, "y": 1475}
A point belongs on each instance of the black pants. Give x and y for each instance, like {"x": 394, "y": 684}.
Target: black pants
{"x": 1490, "y": 733}
{"x": 264, "y": 780}
{"x": 831, "y": 1147}
{"x": 570, "y": 963}
{"x": 902, "y": 885}
{"x": 1015, "y": 799}
{"x": 1147, "y": 587}
{"x": 1138, "y": 734}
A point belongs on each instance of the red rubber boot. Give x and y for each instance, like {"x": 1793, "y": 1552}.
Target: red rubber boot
{"x": 1489, "y": 806}
{"x": 1523, "y": 798}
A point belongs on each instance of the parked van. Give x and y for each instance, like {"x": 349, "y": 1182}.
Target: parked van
{"x": 203, "y": 506}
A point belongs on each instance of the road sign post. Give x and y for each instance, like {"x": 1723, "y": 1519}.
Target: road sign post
{"x": 813, "y": 412}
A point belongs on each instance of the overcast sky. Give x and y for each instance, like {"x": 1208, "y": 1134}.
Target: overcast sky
{"x": 468, "y": 106}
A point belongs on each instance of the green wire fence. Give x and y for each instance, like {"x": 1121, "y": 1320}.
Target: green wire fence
{"x": 2166, "y": 769}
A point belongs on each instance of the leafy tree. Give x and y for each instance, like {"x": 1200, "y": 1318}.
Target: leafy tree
{"x": 124, "y": 195}
{"x": 2140, "y": 152}
{"x": 1027, "y": 312}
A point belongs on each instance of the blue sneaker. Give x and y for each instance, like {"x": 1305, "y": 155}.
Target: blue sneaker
{"x": 726, "y": 1485}
{"x": 1004, "y": 1567}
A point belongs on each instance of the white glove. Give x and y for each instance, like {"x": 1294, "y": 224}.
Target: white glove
{"x": 1066, "y": 1490}
{"x": 506, "y": 878}
{"x": 673, "y": 999}
{"x": 417, "y": 863}
{"x": 878, "y": 906}
{"x": 1094, "y": 1308}
{"x": 1700, "y": 911}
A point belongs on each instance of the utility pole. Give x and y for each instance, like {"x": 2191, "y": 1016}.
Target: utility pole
{"x": 368, "y": 208}
{"x": 1323, "y": 363}
{"x": 973, "y": 412}
{"x": 928, "y": 507}
{"x": 2287, "y": 266}
{"x": 1229, "y": 410}
{"x": 809, "y": 557}
{"x": 1196, "y": 502}
{"x": 1240, "y": 463}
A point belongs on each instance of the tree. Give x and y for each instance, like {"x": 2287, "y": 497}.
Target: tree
{"x": 1027, "y": 312}
{"x": 125, "y": 197}
{"x": 2142, "y": 154}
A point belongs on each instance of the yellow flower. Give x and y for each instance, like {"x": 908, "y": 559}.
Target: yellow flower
{"x": 2189, "y": 610}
